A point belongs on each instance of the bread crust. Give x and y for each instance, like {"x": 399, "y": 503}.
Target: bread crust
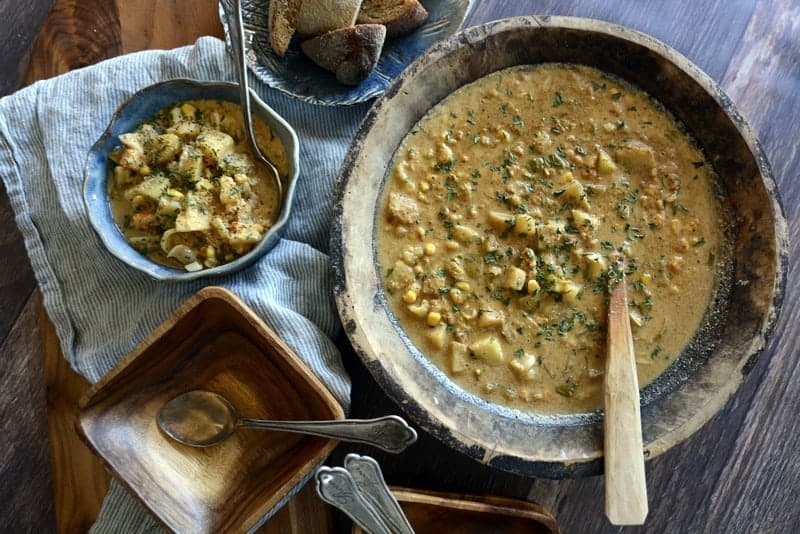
{"x": 321, "y": 16}
{"x": 350, "y": 53}
{"x": 400, "y": 17}
{"x": 281, "y": 23}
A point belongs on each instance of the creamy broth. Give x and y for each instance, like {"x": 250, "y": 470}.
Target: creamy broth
{"x": 504, "y": 215}
{"x": 184, "y": 188}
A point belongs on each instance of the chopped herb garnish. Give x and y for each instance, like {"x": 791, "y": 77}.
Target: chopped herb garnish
{"x": 566, "y": 390}
{"x": 557, "y": 100}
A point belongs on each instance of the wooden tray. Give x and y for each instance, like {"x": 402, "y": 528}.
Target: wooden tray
{"x": 438, "y": 513}
{"x": 69, "y": 39}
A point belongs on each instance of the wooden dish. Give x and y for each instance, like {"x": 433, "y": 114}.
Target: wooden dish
{"x": 736, "y": 324}
{"x": 212, "y": 342}
{"x": 431, "y": 512}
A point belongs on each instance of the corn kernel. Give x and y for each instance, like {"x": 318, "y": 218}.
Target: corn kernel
{"x": 430, "y": 249}
{"x": 211, "y": 252}
{"x": 410, "y": 297}
{"x": 533, "y": 287}
{"x": 434, "y": 318}
{"x": 258, "y": 228}
{"x": 646, "y": 278}
{"x": 138, "y": 200}
{"x": 188, "y": 110}
{"x": 452, "y": 245}
{"x": 420, "y": 232}
{"x": 456, "y": 296}
{"x": 463, "y": 286}
{"x": 174, "y": 193}
{"x": 424, "y": 186}
{"x": 144, "y": 170}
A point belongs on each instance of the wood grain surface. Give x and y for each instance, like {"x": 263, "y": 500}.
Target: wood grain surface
{"x": 739, "y": 473}
{"x": 455, "y": 512}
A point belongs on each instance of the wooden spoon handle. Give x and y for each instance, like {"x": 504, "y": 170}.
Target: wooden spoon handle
{"x": 625, "y": 484}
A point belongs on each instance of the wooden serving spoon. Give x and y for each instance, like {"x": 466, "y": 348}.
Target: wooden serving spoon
{"x": 625, "y": 484}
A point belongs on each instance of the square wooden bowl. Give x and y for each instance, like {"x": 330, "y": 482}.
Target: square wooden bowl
{"x": 212, "y": 342}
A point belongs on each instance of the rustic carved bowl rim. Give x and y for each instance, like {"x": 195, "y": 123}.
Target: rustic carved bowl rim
{"x": 720, "y": 354}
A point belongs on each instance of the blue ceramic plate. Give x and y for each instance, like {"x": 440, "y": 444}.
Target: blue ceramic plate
{"x": 298, "y": 76}
{"x": 142, "y": 106}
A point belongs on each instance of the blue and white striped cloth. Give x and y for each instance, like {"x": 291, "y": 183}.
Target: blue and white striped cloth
{"x": 102, "y": 308}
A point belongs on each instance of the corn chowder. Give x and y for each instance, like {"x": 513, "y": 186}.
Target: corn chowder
{"x": 184, "y": 189}
{"x": 504, "y": 215}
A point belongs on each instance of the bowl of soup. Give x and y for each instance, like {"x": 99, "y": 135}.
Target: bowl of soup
{"x": 514, "y": 174}
{"x": 173, "y": 189}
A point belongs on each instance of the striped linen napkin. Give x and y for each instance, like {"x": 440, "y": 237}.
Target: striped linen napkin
{"x": 102, "y": 308}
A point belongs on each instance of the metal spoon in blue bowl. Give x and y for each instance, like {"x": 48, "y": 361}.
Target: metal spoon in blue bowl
{"x": 237, "y": 41}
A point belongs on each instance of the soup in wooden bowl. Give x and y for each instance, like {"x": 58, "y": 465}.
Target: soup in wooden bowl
{"x": 508, "y": 172}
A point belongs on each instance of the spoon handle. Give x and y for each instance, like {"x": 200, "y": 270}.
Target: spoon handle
{"x": 369, "y": 480}
{"x": 335, "y": 486}
{"x": 625, "y": 484}
{"x": 390, "y": 433}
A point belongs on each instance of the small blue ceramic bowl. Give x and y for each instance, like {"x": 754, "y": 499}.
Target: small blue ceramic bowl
{"x": 142, "y": 106}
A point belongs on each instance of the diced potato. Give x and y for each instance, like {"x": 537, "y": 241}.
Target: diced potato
{"x": 489, "y": 350}
{"x": 567, "y": 288}
{"x": 525, "y": 225}
{"x": 514, "y": 279}
{"x": 636, "y": 157}
{"x": 229, "y": 193}
{"x": 500, "y": 220}
{"x": 636, "y": 317}
{"x": 523, "y": 367}
{"x": 400, "y": 276}
{"x": 573, "y": 191}
{"x": 167, "y": 207}
{"x": 151, "y": 188}
{"x": 420, "y": 310}
{"x": 162, "y": 148}
{"x": 403, "y": 208}
{"x": 412, "y": 253}
{"x": 132, "y": 140}
{"x": 605, "y": 165}
{"x": 458, "y": 357}
{"x": 490, "y": 318}
{"x": 597, "y": 264}
{"x": 215, "y": 145}
{"x": 437, "y": 336}
{"x": 185, "y": 129}
{"x": 464, "y": 233}
{"x": 582, "y": 219}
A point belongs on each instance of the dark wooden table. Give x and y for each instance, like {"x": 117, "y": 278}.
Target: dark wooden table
{"x": 739, "y": 473}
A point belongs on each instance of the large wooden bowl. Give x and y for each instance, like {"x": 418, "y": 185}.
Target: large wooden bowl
{"x": 734, "y": 330}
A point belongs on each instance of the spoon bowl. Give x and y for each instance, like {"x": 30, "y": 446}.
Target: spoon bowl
{"x": 198, "y": 418}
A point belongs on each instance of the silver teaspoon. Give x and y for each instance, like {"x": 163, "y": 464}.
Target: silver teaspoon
{"x": 202, "y": 418}
{"x": 336, "y": 486}
{"x": 237, "y": 43}
{"x": 367, "y": 475}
